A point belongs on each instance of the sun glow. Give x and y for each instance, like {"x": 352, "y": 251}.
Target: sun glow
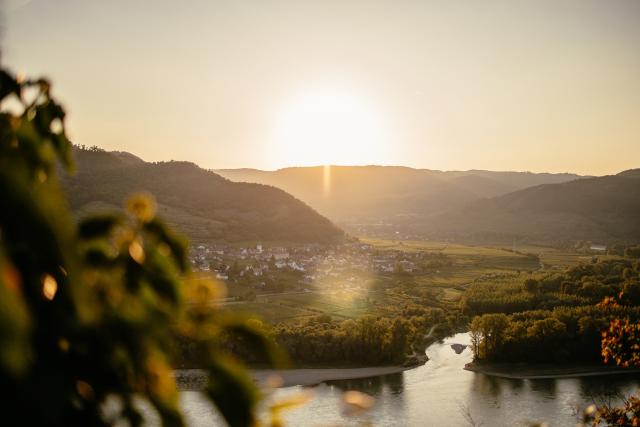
{"x": 328, "y": 127}
{"x": 326, "y": 180}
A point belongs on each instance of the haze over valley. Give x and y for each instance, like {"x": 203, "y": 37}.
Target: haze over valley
{"x": 376, "y": 201}
{"x": 288, "y": 213}
{"x": 475, "y": 205}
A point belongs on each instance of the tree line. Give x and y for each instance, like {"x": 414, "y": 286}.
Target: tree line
{"x": 323, "y": 340}
{"x": 554, "y": 317}
{"x": 585, "y": 284}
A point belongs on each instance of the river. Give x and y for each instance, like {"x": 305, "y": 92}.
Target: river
{"x": 441, "y": 393}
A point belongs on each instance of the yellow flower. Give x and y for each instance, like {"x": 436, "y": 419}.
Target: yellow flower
{"x": 142, "y": 207}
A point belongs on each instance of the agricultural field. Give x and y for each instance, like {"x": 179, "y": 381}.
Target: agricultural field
{"x": 381, "y": 294}
{"x": 346, "y": 304}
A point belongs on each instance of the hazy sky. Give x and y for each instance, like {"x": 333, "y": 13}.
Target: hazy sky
{"x": 519, "y": 85}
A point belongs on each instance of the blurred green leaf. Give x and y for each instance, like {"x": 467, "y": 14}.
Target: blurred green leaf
{"x": 256, "y": 339}
{"x": 232, "y": 390}
{"x": 98, "y": 226}
{"x": 95, "y": 309}
{"x": 8, "y": 85}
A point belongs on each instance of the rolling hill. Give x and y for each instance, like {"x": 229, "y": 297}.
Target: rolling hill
{"x": 199, "y": 203}
{"x": 473, "y": 205}
{"x": 391, "y": 193}
{"x": 464, "y": 205}
{"x": 604, "y": 209}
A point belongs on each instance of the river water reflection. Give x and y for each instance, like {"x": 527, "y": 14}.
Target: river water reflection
{"x": 441, "y": 393}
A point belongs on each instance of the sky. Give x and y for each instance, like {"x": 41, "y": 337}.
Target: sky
{"x": 502, "y": 85}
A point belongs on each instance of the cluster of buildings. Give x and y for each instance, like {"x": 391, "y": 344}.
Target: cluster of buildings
{"x": 313, "y": 263}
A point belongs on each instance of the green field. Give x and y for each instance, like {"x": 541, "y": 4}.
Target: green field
{"x": 381, "y": 294}
{"x": 340, "y": 304}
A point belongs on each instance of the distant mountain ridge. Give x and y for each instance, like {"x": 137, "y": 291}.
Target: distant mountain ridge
{"x": 470, "y": 205}
{"x": 374, "y": 193}
{"x": 197, "y": 202}
{"x": 465, "y": 205}
{"x": 605, "y": 209}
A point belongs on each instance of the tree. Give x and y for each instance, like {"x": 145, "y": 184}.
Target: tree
{"x": 549, "y": 327}
{"x": 487, "y": 332}
{"x": 400, "y": 337}
{"x": 632, "y": 252}
{"x": 475, "y": 332}
{"x": 531, "y": 285}
{"x": 620, "y": 344}
{"x": 94, "y": 310}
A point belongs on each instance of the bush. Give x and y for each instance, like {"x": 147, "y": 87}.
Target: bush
{"x": 93, "y": 310}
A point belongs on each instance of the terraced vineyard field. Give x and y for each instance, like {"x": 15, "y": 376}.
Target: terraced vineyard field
{"x": 384, "y": 293}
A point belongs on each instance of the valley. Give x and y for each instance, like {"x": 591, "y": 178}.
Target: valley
{"x": 475, "y": 206}
{"x": 374, "y": 288}
{"x": 343, "y": 213}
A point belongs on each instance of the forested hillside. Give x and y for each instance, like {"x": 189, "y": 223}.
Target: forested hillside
{"x": 475, "y": 205}
{"x": 199, "y": 203}
{"x": 604, "y": 209}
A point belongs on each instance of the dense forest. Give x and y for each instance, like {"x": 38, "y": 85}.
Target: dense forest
{"x": 195, "y": 201}
{"x": 366, "y": 341}
{"x": 324, "y": 340}
{"x": 561, "y": 335}
{"x": 327, "y": 341}
{"x": 557, "y": 317}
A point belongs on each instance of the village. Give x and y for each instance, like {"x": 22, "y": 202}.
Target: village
{"x": 299, "y": 267}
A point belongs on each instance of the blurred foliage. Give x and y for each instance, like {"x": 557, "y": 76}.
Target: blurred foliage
{"x": 621, "y": 345}
{"x": 90, "y": 312}
{"x": 621, "y": 340}
{"x": 627, "y": 414}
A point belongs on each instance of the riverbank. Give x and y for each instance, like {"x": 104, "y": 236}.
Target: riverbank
{"x": 314, "y": 376}
{"x": 537, "y": 372}
{"x": 195, "y": 379}
{"x": 433, "y": 395}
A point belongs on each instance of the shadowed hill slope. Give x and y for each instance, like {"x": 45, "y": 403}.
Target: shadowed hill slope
{"x": 200, "y": 203}
{"x": 473, "y": 205}
{"x": 603, "y": 209}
